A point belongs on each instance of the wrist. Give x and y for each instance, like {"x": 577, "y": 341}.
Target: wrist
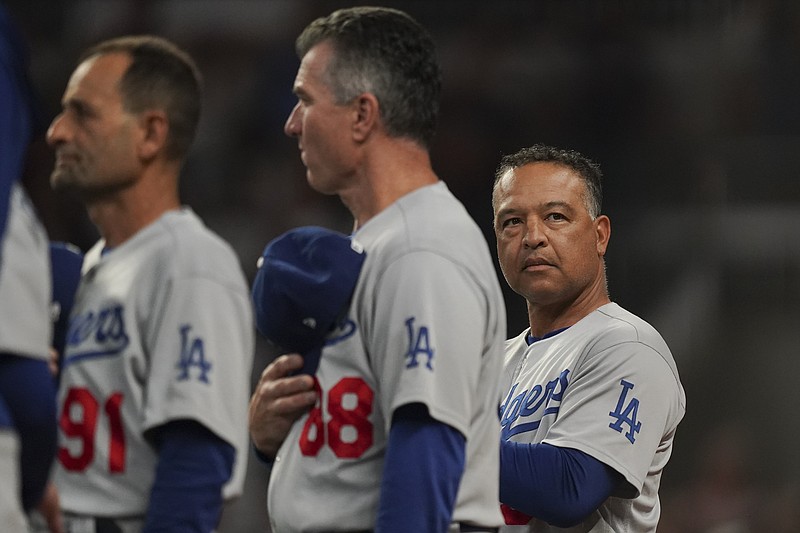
{"x": 264, "y": 457}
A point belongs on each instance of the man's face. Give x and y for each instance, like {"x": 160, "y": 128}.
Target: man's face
{"x": 550, "y": 250}
{"x": 323, "y": 129}
{"x": 94, "y": 137}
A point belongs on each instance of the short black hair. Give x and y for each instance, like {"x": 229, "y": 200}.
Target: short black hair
{"x": 160, "y": 76}
{"x": 588, "y": 170}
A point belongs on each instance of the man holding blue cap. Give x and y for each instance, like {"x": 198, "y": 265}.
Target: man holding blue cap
{"x": 303, "y": 288}
{"x": 396, "y": 428}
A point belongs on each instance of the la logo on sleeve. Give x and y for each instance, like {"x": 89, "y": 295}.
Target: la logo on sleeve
{"x": 192, "y": 356}
{"x": 625, "y": 413}
{"x": 418, "y": 343}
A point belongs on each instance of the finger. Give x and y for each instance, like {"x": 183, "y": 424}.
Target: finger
{"x": 295, "y": 403}
{"x": 282, "y": 366}
{"x": 289, "y": 394}
{"x": 52, "y": 361}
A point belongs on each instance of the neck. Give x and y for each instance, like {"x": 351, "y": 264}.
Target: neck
{"x": 388, "y": 172}
{"x": 121, "y": 214}
{"x": 545, "y": 318}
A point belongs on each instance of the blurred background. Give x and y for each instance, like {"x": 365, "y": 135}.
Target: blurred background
{"x": 691, "y": 107}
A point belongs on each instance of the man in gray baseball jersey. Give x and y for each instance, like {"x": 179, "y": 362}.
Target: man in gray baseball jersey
{"x": 591, "y": 397}
{"x": 158, "y": 354}
{"x": 396, "y": 430}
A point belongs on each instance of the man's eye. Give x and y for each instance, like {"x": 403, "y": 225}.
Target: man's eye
{"x": 511, "y": 222}
{"x": 80, "y": 111}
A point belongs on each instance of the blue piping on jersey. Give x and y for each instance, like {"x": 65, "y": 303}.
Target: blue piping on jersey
{"x": 530, "y": 426}
{"x": 91, "y": 355}
{"x": 347, "y": 330}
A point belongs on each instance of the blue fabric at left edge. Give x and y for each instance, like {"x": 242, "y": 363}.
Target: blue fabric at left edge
{"x": 18, "y": 117}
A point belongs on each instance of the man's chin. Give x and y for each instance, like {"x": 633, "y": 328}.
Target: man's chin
{"x": 318, "y": 185}
{"x": 67, "y": 183}
{"x": 61, "y": 181}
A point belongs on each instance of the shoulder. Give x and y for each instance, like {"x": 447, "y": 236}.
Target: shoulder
{"x": 618, "y": 330}
{"x": 193, "y": 249}
{"x": 438, "y": 219}
{"x": 617, "y": 324}
{"x": 428, "y": 220}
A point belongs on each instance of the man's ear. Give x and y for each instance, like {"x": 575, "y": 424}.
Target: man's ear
{"x": 154, "y": 130}
{"x": 603, "y": 229}
{"x": 367, "y": 113}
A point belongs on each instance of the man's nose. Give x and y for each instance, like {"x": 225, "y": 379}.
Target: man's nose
{"x": 57, "y": 131}
{"x": 292, "y": 126}
{"x": 534, "y": 236}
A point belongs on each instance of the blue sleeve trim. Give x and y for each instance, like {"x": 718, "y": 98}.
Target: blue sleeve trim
{"x": 28, "y": 391}
{"x": 561, "y": 486}
{"x": 422, "y": 470}
{"x": 193, "y": 466}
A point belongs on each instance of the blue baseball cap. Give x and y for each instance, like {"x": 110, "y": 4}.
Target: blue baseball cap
{"x": 303, "y": 287}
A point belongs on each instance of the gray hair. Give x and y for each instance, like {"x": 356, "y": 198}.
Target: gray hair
{"x": 387, "y": 53}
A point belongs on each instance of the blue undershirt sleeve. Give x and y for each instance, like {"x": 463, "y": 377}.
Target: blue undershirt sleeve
{"x": 422, "y": 471}
{"x": 28, "y": 391}
{"x": 561, "y": 486}
{"x": 193, "y": 465}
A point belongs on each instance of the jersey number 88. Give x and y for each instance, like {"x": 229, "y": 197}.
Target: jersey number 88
{"x": 349, "y": 404}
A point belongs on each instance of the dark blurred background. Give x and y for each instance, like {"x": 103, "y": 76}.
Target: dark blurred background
{"x": 691, "y": 107}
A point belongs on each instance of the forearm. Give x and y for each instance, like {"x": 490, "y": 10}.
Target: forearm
{"x": 193, "y": 466}
{"x": 561, "y": 486}
{"x": 422, "y": 470}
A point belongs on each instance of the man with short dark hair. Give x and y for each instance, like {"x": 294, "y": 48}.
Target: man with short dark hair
{"x": 157, "y": 359}
{"x": 591, "y": 394}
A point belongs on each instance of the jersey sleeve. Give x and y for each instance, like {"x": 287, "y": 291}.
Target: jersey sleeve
{"x": 201, "y": 357}
{"x": 617, "y": 409}
{"x": 426, "y": 337}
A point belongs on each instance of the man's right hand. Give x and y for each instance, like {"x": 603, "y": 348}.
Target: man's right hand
{"x": 278, "y": 401}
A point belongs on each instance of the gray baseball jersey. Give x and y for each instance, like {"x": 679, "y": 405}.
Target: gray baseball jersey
{"x": 607, "y": 386}
{"x": 161, "y": 330}
{"x": 25, "y": 325}
{"x": 426, "y": 324}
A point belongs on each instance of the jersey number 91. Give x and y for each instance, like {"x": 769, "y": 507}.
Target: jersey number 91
{"x": 79, "y": 421}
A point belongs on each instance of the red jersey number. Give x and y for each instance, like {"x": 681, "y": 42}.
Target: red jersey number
{"x": 349, "y": 430}
{"x": 78, "y": 420}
